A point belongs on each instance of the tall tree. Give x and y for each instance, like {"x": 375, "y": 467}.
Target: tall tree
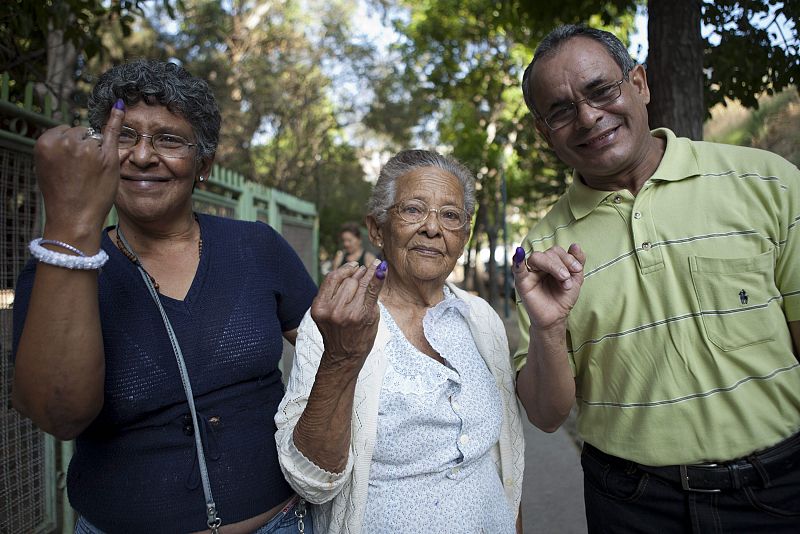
{"x": 751, "y": 47}
{"x": 675, "y": 67}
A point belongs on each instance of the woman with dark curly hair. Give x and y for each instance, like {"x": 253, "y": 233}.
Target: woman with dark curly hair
{"x": 163, "y": 366}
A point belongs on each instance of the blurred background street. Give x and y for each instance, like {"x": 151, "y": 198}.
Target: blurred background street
{"x": 552, "y": 491}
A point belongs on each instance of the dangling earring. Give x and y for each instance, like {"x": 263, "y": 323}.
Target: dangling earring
{"x": 379, "y": 244}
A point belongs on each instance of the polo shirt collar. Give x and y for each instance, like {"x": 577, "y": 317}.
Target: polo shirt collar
{"x": 679, "y": 162}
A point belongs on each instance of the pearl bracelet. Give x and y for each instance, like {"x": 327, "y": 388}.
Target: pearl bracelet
{"x": 66, "y": 261}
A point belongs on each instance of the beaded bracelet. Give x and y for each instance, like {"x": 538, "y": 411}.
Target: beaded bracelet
{"x": 62, "y": 245}
{"x": 67, "y": 261}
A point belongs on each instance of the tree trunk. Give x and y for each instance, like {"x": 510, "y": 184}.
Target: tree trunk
{"x": 675, "y": 67}
{"x": 62, "y": 58}
{"x": 491, "y": 234}
{"x": 480, "y": 225}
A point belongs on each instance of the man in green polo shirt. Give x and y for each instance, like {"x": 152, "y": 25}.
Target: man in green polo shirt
{"x": 662, "y": 291}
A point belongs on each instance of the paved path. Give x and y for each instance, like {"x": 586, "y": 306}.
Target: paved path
{"x": 552, "y": 491}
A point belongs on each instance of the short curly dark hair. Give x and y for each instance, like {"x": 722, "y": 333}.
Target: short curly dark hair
{"x": 164, "y": 83}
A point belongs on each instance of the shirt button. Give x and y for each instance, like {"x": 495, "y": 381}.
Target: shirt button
{"x": 637, "y": 215}
{"x": 188, "y": 427}
{"x": 617, "y": 199}
{"x": 456, "y": 406}
{"x": 455, "y": 470}
{"x": 464, "y": 439}
{"x": 646, "y": 245}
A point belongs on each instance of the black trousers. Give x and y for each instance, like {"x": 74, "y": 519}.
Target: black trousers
{"x": 622, "y": 498}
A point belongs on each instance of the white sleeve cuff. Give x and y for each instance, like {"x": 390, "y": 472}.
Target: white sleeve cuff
{"x": 313, "y": 483}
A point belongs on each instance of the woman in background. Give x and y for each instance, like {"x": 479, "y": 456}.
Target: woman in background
{"x": 352, "y": 247}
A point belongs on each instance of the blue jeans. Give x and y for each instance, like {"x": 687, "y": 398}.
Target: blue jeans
{"x": 285, "y": 522}
{"x": 621, "y": 498}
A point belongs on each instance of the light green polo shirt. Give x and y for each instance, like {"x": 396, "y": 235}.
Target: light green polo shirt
{"x": 679, "y": 340}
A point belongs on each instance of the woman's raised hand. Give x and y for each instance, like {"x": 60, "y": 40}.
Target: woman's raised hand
{"x": 548, "y": 283}
{"x": 346, "y": 311}
{"x": 78, "y": 176}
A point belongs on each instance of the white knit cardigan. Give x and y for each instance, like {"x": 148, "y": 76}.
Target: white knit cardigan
{"x": 339, "y": 498}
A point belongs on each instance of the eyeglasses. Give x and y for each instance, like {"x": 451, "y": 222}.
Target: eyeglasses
{"x": 165, "y": 144}
{"x": 599, "y": 98}
{"x": 416, "y": 211}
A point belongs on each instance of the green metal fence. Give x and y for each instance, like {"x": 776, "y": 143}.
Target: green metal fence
{"x": 33, "y": 464}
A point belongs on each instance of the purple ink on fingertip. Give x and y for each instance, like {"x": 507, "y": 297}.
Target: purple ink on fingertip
{"x": 519, "y": 255}
{"x": 380, "y": 272}
{"x": 119, "y": 104}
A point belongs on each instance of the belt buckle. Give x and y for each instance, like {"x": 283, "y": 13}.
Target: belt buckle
{"x": 685, "y": 480}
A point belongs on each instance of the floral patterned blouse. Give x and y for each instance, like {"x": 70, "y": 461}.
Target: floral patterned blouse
{"x": 431, "y": 467}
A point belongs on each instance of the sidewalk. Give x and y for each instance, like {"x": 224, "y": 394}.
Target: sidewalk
{"x": 552, "y": 490}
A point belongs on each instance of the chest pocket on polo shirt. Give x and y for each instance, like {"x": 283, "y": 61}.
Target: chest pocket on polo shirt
{"x": 734, "y": 296}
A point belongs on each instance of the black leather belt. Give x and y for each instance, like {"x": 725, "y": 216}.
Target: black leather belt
{"x": 756, "y": 469}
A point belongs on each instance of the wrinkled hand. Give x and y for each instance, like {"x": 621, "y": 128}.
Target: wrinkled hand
{"x": 548, "y": 283}
{"x": 78, "y": 175}
{"x": 346, "y": 312}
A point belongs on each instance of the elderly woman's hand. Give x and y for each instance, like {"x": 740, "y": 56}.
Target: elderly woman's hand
{"x": 548, "y": 283}
{"x": 78, "y": 175}
{"x": 346, "y": 312}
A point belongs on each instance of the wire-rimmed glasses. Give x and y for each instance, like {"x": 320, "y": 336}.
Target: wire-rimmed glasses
{"x": 165, "y": 144}
{"x": 416, "y": 211}
{"x": 598, "y": 98}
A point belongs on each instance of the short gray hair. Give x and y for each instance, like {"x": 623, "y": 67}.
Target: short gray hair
{"x": 556, "y": 39}
{"x": 385, "y": 190}
{"x": 159, "y": 82}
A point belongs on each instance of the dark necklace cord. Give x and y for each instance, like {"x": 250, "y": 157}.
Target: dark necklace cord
{"x": 122, "y": 246}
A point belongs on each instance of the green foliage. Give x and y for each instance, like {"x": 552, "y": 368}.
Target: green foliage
{"x": 457, "y": 85}
{"x": 341, "y": 193}
{"x": 745, "y": 63}
{"x": 26, "y": 24}
{"x": 269, "y": 66}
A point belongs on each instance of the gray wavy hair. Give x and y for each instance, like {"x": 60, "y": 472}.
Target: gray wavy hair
{"x": 385, "y": 190}
{"x": 159, "y": 82}
{"x": 556, "y": 39}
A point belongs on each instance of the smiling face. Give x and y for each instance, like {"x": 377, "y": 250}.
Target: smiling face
{"x": 154, "y": 187}
{"x": 422, "y": 252}
{"x": 603, "y": 145}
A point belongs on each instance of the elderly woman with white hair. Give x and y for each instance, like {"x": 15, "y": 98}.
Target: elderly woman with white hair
{"x": 400, "y": 414}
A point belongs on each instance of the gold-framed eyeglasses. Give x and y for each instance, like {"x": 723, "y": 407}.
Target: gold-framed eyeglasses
{"x": 416, "y": 211}
{"x": 164, "y": 144}
{"x": 599, "y": 98}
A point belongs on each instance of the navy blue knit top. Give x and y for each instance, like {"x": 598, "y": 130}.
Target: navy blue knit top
{"x": 135, "y": 466}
